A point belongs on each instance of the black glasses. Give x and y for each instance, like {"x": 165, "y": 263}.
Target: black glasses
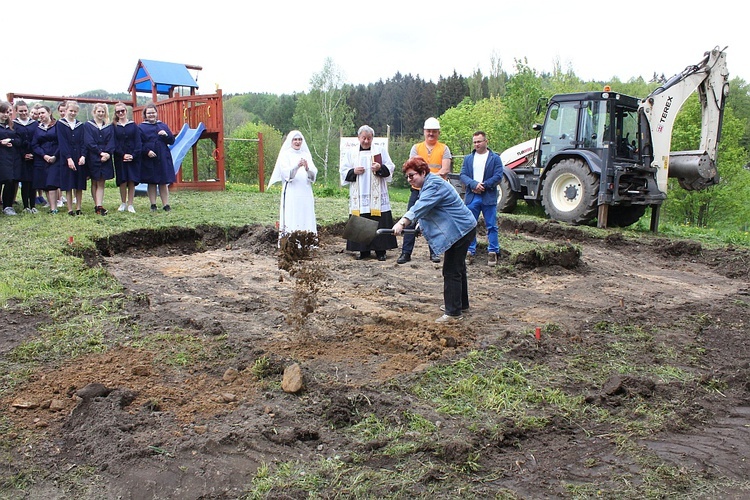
{"x": 120, "y": 111}
{"x": 411, "y": 175}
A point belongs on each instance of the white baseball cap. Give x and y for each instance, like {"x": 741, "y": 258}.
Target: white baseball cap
{"x": 431, "y": 124}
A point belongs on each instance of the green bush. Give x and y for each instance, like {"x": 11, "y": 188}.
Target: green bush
{"x": 242, "y": 160}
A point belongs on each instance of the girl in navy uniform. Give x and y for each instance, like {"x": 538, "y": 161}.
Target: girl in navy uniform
{"x": 61, "y": 200}
{"x": 127, "y": 156}
{"x": 70, "y": 135}
{"x": 25, "y": 126}
{"x": 34, "y": 114}
{"x": 10, "y": 161}
{"x": 46, "y": 157}
{"x": 157, "y": 168}
{"x": 100, "y": 145}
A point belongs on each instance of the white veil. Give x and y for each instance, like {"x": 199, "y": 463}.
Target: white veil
{"x": 276, "y": 175}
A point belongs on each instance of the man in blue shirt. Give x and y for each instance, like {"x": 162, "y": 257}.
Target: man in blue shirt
{"x": 481, "y": 172}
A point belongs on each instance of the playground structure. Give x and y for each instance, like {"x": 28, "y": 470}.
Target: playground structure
{"x": 191, "y": 117}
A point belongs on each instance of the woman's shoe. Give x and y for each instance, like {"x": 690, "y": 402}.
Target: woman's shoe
{"x": 446, "y": 318}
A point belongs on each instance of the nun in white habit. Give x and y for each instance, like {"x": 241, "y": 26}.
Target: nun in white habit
{"x": 296, "y": 172}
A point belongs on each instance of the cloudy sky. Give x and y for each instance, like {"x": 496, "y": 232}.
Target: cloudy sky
{"x": 71, "y": 47}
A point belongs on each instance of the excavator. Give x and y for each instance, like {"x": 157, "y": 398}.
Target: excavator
{"x": 606, "y": 156}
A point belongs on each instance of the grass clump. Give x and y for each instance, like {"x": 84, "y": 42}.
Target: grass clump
{"x": 181, "y": 350}
{"x": 261, "y": 367}
{"x": 485, "y": 382}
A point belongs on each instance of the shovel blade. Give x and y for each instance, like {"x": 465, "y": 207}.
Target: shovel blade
{"x": 360, "y": 229}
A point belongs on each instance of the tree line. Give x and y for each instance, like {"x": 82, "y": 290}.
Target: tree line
{"x": 502, "y": 104}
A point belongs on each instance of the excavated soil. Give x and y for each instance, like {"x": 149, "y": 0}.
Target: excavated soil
{"x": 138, "y": 421}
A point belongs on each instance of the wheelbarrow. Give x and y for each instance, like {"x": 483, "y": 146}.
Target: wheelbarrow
{"x": 363, "y": 230}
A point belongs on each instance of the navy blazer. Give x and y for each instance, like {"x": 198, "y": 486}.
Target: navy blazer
{"x": 493, "y": 174}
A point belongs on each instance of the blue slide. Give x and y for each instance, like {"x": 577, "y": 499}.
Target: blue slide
{"x": 182, "y": 144}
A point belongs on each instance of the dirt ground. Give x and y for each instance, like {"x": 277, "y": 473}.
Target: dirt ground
{"x": 129, "y": 423}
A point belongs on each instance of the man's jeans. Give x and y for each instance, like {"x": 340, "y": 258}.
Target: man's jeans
{"x": 489, "y": 212}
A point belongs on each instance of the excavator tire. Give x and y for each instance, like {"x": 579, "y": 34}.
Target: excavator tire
{"x": 623, "y": 216}
{"x": 506, "y": 197}
{"x": 570, "y": 191}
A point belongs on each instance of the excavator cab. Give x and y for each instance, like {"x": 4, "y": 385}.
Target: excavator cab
{"x": 589, "y": 156}
{"x": 594, "y": 123}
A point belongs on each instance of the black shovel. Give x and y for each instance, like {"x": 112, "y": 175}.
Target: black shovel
{"x": 363, "y": 230}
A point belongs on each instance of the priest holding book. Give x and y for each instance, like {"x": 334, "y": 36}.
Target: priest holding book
{"x": 368, "y": 170}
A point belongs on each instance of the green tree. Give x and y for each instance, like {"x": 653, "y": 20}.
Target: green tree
{"x": 636, "y": 87}
{"x": 497, "y": 79}
{"x": 412, "y": 114}
{"x": 242, "y": 160}
{"x": 376, "y": 120}
{"x": 364, "y": 104}
{"x": 389, "y": 105}
{"x": 725, "y": 204}
{"x": 451, "y": 91}
{"x": 235, "y": 115}
{"x": 563, "y": 82}
{"x": 518, "y": 114}
{"x": 274, "y": 110}
{"x": 281, "y": 112}
{"x": 458, "y": 125}
{"x": 429, "y": 107}
{"x": 323, "y": 115}
{"x": 474, "y": 82}
{"x": 486, "y": 116}
{"x": 739, "y": 101}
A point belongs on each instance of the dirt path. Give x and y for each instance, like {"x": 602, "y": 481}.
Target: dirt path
{"x": 355, "y": 327}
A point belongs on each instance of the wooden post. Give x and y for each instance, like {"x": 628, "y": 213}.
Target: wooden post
{"x": 601, "y": 219}
{"x": 261, "y": 164}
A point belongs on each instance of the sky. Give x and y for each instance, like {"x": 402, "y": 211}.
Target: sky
{"x": 277, "y": 48}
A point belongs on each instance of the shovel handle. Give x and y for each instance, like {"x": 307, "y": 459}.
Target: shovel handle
{"x": 390, "y": 231}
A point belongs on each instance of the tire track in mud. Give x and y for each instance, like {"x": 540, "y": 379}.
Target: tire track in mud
{"x": 718, "y": 449}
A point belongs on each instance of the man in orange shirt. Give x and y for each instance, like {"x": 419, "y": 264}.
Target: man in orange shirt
{"x": 438, "y": 157}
